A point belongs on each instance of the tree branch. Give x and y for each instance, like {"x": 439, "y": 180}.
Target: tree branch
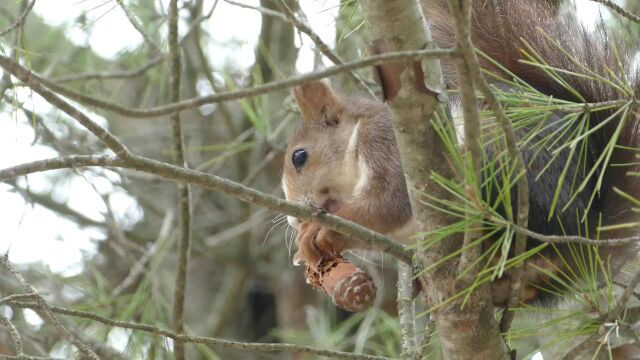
{"x": 237, "y": 345}
{"x": 46, "y": 311}
{"x": 14, "y": 334}
{"x": 134, "y": 22}
{"x": 350, "y": 229}
{"x": 461, "y": 10}
{"x": 35, "y": 83}
{"x": 473, "y": 66}
{"x": 20, "y": 19}
{"x": 15, "y": 68}
{"x": 406, "y": 310}
{"x": 618, "y": 9}
{"x": 118, "y": 74}
{"x": 322, "y": 46}
{"x": 183, "y": 189}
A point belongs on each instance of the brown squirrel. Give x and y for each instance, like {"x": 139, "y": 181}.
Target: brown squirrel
{"x": 343, "y": 156}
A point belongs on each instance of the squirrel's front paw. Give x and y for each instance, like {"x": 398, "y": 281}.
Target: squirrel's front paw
{"x": 307, "y": 252}
{"x": 330, "y": 242}
{"x": 315, "y": 243}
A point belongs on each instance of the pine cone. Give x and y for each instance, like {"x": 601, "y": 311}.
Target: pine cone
{"x": 349, "y": 287}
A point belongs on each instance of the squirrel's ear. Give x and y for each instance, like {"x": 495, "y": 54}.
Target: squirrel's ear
{"x": 314, "y": 98}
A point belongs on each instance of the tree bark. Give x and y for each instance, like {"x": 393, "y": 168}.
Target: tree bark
{"x": 468, "y": 332}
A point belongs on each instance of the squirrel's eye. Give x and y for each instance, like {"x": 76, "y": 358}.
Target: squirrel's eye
{"x": 299, "y": 158}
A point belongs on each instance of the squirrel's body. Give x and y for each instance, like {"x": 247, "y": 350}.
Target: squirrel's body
{"x": 344, "y": 158}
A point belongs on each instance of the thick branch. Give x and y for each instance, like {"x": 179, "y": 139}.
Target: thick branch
{"x": 462, "y": 12}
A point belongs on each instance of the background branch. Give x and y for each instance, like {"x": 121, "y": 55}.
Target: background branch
{"x": 350, "y": 229}
{"x": 238, "y": 345}
{"x": 14, "y": 68}
{"x": 184, "y": 203}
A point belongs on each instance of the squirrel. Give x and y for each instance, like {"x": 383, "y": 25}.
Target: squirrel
{"x": 343, "y": 157}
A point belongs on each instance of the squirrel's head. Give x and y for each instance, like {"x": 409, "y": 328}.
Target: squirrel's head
{"x": 322, "y": 166}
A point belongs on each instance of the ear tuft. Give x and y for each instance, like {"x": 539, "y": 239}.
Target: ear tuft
{"x": 314, "y": 98}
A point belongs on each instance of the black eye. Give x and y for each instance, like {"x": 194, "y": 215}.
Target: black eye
{"x": 299, "y": 158}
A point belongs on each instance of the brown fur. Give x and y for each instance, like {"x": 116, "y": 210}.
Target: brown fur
{"x": 501, "y": 34}
{"x": 329, "y": 179}
{"x": 331, "y": 174}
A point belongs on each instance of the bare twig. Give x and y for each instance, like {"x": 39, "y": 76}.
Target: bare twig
{"x": 198, "y": 20}
{"x": 139, "y": 267}
{"x": 20, "y": 19}
{"x": 33, "y": 82}
{"x": 260, "y": 9}
{"x": 16, "y": 340}
{"x": 45, "y": 310}
{"x": 563, "y": 239}
{"x": 426, "y": 339}
{"x": 15, "y": 68}
{"x": 134, "y": 22}
{"x": 621, "y": 304}
{"x": 322, "y": 46}
{"x": 245, "y": 346}
{"x": 461, "y": 10}
{"x": 118, "y": 74}
{"x": 350, "y": 229}
{"x": 617, "y": 8}
{"x": 17, "y": 297}
{"x": 183, "y": 188}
